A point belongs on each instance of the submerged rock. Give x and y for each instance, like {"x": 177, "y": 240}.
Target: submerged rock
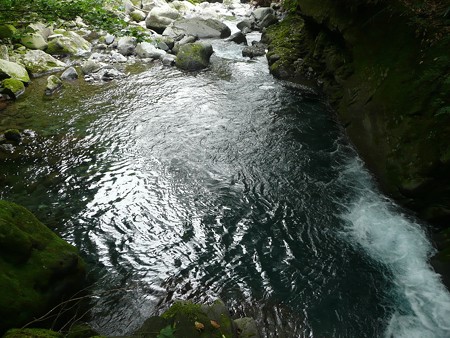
{"x": 194, "y": 56}
{"x": 38, "y": 268}
{"x": 53, "y": 84}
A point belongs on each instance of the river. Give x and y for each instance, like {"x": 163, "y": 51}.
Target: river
{"x": 221, "y": 184}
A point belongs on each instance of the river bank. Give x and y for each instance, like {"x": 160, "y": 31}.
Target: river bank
{"x": 385, "y": 69}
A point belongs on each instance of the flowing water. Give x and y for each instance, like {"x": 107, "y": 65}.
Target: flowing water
{"x": 225, "y": 183}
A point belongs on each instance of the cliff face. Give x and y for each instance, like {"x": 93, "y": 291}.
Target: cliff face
{"x": 385, "y": 66}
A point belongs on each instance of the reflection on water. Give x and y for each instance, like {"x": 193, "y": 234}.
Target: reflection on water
{"x": 224, "y": 183}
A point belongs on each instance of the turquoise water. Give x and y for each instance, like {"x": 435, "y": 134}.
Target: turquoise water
{"x": 225, "y": 183}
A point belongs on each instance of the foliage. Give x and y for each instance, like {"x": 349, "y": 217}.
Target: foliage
{"x": 167, "y": 332}
{"x": 98, "y": 13}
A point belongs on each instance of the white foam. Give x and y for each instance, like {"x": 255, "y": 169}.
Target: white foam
{"x": 421, "y": 301}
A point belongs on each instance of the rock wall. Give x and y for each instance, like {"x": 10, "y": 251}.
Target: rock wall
{"x": 386, "y": 69}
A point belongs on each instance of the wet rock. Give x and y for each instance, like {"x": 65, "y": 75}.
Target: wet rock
{"x": 38, "y": 62}
{"x": 90, "y": 66}
{"x": 35, "y": 333}
{"x": 261, "y": 12}
{"x": 161, "y": 17}
{"x": 257, "y": 49}
{"x": 268, "y": 20}
{"x": 126, "y": 45}
{"x": 13, "y": 70}
{"x": 53, "y": 84}
{"x": 117, "y": 57}
{"x": 67, "y": 43}
{"x": 183, "y": 41}
{"x": 202, "y": 28}
{"x": 34, "y": 41}
{"x": 35, "y": 274}
{"x": 13, "y": 135}
{"x": 13, "y": 88}
{"x": 69, "y": 74}
{"x": 194, "y": 56}
{"x": 247, "y": 327}
{"x": 147, "y": 50}
{"x": 169, "y": 60}
{"x": 245, "y": 24}
{"x": 238, "y": 38}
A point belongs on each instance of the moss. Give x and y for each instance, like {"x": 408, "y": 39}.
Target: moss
{"x": 193, "y": 56}
{"x": 13, "y": 87}
{"x": 32, "y": 333}
{"x": 12, "y": 135}
{"x": 37, "y": 267}
{"x": 7, "y": 31}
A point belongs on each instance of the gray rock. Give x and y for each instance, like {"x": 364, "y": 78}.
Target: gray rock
{"x": 69, "y": 74}
{"x": 161, "y": 17}
{"x": 268, "y": 20}
{"x": 257, "y": 49}
{"x": 38, "y": 62}
{"x": 117, "y": 57}
{"x": 247, "y": 327}
{"x": 169, "y": 60}
{"x": 53, "y": 84}
{"x": 245, "y": 24}
{"x": 90, "y": 66}
{"x": 202, "y": 28}
{"x": 109, "y": 39}
{"x": 194, "y": 56}
{"x": 183, "y": 41}
{"x": 163, "y": 46}
{"x": 13, "y": 70}
{"x": 44, "y": 30}
{"x": 137, "y": 15}
{"x": 70, "y": 43}
{"x": 261, "y": 12}
{"x": 126, "y": 45}
{"x": 148, "y": 5}
{"x": 34, "y": 41}
{"x": 238, "y": 38}
{"x": 4, "y": 54}
{"x": 147, "y": 50}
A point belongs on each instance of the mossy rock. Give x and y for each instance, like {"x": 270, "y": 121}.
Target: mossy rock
{"x": 13, "y": 88}
{"x": 7, "y": 31}
{"x": 32, "y": 333}
{"x": 185, "y": 319}
{"x": 70, "y": 43}
{"x": 81, "y": 331}
{"x": 194, "y": 56}
{"x": 12, "y": 135}
{"x": 13, "y": 70}
{"x": 38, "y": 269}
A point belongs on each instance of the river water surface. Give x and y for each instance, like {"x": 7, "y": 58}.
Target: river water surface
{"x": 222, "y": 184}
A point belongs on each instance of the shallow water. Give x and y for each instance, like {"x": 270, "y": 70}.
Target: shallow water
{"x": 224, "y": 183}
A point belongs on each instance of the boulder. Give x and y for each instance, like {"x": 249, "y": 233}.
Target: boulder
{"x": 38, "y": 62}
{"x": 126, "y": 45}
{"x": 32, "y": 333}
{"x": 34, "y": 41}
{"x": 137, "y": 15}
{"x": 268, "y": 20}
{"x": 247, "y": 327}
{"x": 245, "y": 24}
{"x": 148, "y": 5}
{"x": 53, "y": 84}
{"x": 202, "y": 28}
{"x": 147, "y": 50}
{"x": 256, "y": 49}
{"x": 12, "y": 135}
{"x": 13, "y": 88}
{"x": 7, "y": 31}
{"x": 238, "y": 38}
{"x": 161, "y": 17}
{"x": 69, "y": 74}
{"x": 41, "y": 28}
{"x": 67, "y": 43}
{"x": 91, "y": 66}
{"x": 38, "y": 268}
{"x": 194, "y": 56}
{"x": 13, "y": 70}
{"x": 109, "y": 39}
{"x": 261, "y": 12}
{"x": 117, "y": 57}
{"x": 186, "y": 39}
{"x": 168, "y": 60}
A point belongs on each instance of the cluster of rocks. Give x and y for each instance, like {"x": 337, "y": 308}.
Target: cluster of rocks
{"x": 169, "y": 34}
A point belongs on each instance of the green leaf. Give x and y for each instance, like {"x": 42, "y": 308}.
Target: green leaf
{"x": 167, "y": 332}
